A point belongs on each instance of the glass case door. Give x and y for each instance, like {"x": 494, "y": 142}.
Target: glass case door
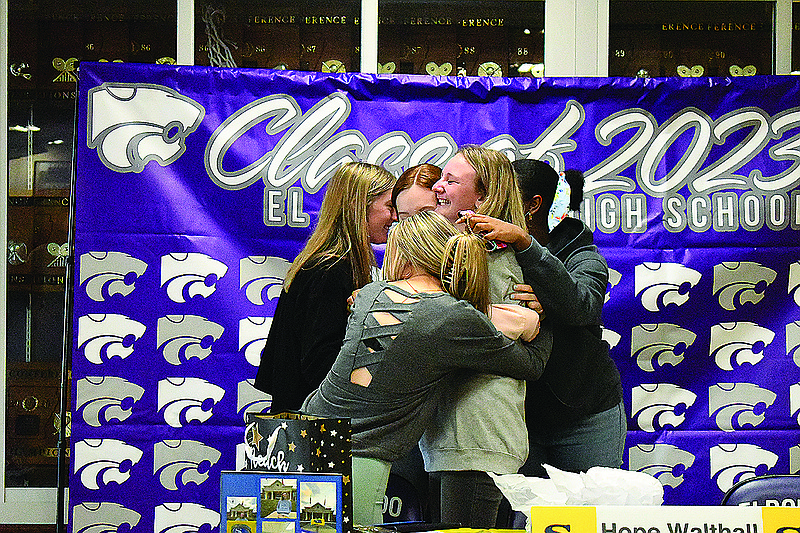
{"x": 495, "y": 38}
{"x": 282, "y": 35}
{"x": 46, "y": 41}
{"x": 690, "y": 38}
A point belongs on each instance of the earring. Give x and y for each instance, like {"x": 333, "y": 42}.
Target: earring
{"x": 529, "y": 216}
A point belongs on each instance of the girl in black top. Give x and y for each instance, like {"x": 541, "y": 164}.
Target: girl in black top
{"x": 310, "y": 318}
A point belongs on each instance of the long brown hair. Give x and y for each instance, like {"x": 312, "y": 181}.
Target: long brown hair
{"x": 341, "y": 230}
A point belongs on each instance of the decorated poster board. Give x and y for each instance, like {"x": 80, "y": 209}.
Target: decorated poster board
{"x": 280, "y": 502}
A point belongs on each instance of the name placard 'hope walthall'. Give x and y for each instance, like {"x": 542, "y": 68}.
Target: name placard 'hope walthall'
{"x": 677, "y": 527}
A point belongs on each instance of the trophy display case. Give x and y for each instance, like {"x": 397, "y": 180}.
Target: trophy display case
{"x": 690, "y": 39}
{"x": 37, "y": 255}
{"x": 297, "y": 35}
{"x": 461, "y": 39}
{"x": 440, "y": 38}
{"x": 47, "y": 41}
{"x": 32, "y": 424}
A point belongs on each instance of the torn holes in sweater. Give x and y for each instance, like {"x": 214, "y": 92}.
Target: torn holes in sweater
{"x": 361, "y": 376}
{"x": 385, "y": 318}
{"x": 400, "y": 298}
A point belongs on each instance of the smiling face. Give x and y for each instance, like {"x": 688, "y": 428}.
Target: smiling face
{"x": 456, "y": 190}
{"x": 380, "y": 215}
{"x": 413, "y": 200}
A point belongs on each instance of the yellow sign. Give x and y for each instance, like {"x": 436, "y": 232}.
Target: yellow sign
{"x": 781, "y": 519}
{"x": 665, "y": 519}
{"x": 563, "y": 520}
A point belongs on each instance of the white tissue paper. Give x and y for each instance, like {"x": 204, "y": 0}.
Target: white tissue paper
{"x": 597, "y": 486}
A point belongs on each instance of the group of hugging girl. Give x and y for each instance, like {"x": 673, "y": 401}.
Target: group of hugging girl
{"x": 478, "y": 345}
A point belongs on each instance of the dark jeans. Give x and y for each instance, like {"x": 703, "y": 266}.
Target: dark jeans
{"x": 597, "y": 440}
{"x": 469, "y": 498}
{"x": 412, "y": 469}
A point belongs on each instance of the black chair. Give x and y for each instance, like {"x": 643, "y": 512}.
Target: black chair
{"x": 774, "y": 490}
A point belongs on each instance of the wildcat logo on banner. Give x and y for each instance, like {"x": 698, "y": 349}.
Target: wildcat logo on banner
{"x": 197, "y": 187}
{"x": 673, "y": 519}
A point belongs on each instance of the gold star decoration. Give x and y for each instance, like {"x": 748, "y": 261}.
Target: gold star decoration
{"x": 256, "y": 436}
{"x": 292, "y": 446}
{"x": 346, "y": 480}
{"x": 303, "y": 433}
{"x": 319, "y": 452}
{"x": 322, "y": 428}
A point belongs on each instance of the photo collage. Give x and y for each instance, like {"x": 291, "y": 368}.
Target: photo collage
{"x": 273, "y": 502}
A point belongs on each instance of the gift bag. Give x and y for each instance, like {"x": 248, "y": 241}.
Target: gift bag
{"x": 296, "y": 442}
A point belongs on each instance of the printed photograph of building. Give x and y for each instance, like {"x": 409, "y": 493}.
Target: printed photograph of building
{"x": 318, "y": 507}
{"x": 279, "y": 499}
{"x": 241, "y": 508}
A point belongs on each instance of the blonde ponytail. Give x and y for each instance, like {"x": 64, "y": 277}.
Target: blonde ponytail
{"x": 429, "y": 242}
{"x": 465, "y": 273}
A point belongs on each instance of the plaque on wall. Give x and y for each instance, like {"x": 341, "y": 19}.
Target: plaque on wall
{"x": 690, "y": 39}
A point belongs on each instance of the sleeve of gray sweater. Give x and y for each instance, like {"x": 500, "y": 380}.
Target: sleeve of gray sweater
{"x": 572, "y": 294}
{"x": 464, "y": 338}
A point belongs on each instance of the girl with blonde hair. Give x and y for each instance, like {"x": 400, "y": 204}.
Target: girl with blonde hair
{"x": 482, "y": 180}
{"x": 575, "y": 413}
{"x": 496, "y": 181}
{"x": 406, "y": 339}
{"x": 457, "y": 451}
{"x": 310, "y": 318}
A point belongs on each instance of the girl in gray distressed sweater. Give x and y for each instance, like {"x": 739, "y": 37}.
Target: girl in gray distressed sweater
{"x": 405, "y": 339}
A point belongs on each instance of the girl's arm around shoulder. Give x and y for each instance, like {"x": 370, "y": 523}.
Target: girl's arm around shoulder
{"x": 539, "y": 350}
{"x": 515, "y": 321}
{"x": 466, "y": 339}
{"x": 573, "y": 293}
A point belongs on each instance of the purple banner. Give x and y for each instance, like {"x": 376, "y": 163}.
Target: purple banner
{"x": 198, "y": 186}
